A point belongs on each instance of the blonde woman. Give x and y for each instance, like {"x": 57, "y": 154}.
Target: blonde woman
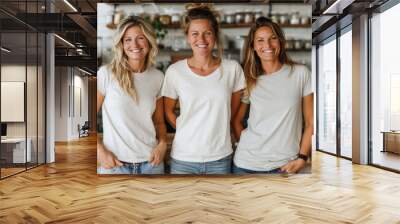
{"x": 208, "y": 89}
{"x": 134, "y": 139}
{"x": 280, "y": 97}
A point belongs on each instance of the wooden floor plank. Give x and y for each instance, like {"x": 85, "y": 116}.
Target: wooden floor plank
{"x": 70, "y": 191}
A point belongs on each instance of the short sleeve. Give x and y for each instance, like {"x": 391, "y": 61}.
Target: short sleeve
{"x": 239, "y": 83}
{"x": 245, "y": 98}
{"x": 160, "y": 81}
{"x": 103, "y": 80}
{"x": 168, "y": 88}
{"x": 307, "y": 90}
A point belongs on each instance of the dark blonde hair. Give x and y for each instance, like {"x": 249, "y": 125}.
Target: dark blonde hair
{"x": 252, "y": 63}
{"x": 119, "y": 65}
{"x": 204, "y": 11}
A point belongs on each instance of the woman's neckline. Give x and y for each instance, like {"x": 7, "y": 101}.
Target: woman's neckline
{"x": 200, "y": 75}
{"x": 280, "y": 70}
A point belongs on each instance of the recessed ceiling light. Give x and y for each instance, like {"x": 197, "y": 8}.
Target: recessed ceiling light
{"x": 5, "y": 49}
{"x": 70, "y": 5}
{"x": 64, "y": 40}
{"x": 84, "y": 71}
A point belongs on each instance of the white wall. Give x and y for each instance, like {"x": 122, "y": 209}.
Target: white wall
{"x": 33, "y": 126}
{"x": 14, "y": 73}
{"x": 17, "y": 73}
{"x": 61, "y": 103}
{"x": 69, "y": 82}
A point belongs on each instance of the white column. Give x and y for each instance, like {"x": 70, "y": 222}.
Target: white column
{"x": 360, "y": 90}
{"x": 314, "y": 88}
{"x": 50, "y": 100}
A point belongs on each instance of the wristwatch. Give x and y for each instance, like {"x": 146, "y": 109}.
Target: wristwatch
{"x": 302, "y": 156}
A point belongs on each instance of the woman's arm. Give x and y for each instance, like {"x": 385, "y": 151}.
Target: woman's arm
{"x": 308, "y": 116}
{"x": 237, "y": 120}
{"x": 235, "y": 103}
{"x": 100, "y": 100}
{"x": 106, "y": 158}
{"x": 169, "y": 106}
{"x": 157, "y": 155}
{"x": 305, "y": 144}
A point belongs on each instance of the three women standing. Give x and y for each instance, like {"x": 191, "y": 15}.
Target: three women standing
{"x": 209, "y": 90}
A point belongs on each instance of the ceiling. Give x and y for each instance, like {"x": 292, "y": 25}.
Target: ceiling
{"x": 331, "y": 15}
{"x": 76, "y": 26}
{"x": 77, "y": 22}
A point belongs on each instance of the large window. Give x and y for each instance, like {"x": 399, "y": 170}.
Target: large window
{"x": 327, "y": 96}
{"x": 22, "y": 77}
{"x": 385, "y": 89}
{"x": 334, "y": 138}
{"x": 346, "y": 93}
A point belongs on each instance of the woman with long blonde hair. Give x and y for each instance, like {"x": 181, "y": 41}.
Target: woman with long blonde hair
{"x": 208, "y": 89}
{"x": 280, "y": 97}
{"x": 128, "y": 91}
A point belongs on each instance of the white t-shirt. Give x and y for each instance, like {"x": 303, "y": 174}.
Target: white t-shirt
{"x": 203, "y": 126}
{"x": 274, "y": 130}
{"x": 128, "y": 127}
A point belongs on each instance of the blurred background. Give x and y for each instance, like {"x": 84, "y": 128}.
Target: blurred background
{"x": 235, "y": 20}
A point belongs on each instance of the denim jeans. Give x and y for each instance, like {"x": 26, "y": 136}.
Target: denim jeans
{"x": 221, "y": 166}
{"x": 241, "y": 171}
{"x": 133, "y": 168}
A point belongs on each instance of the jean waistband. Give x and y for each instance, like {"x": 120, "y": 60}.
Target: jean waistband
{"x": 132, "y": 164}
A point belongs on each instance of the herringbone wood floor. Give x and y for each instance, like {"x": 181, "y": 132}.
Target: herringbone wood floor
{"x": 69, "y": 191}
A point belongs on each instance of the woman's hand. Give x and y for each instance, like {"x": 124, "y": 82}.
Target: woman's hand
{"x": 106, "y": 158}
{"x": 294, "y": 166}
{"x": 157, "y": 155}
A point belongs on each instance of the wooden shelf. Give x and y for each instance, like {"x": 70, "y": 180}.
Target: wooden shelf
{"x": 230, "y": 50}
{"x": 242, "y": 25}
{"x": 169, "y": 50}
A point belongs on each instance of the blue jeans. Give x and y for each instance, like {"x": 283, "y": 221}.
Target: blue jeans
{"x": 221, "y": 166}
{"x": 133, "y": 168}
{"x": 241, "y": 171}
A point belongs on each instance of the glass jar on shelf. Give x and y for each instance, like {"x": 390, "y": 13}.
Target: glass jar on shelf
{"x": 307, "y": 45}
{"x": 298, "y": 44}
{"x": 230, "y": 18}
{"x": 295, "y": 18}
{"x": 175, "y": 19}
{"x": 249, "y": 17}
{"x": 165, "y": 19}
{"x": 239, "y": 17}
{"x": 305, "y": 20}
{"x": 275, "y": 18}
{"x": 284, "y": 19}
{"x": 289, "y": 44}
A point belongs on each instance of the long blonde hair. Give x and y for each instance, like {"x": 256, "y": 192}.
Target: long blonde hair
{"x": 204, "y": 11}
{"x": 119, "y": 65}
{"x": 252, "y": 63}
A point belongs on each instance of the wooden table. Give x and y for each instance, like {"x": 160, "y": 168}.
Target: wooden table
{"x": 391, "y": 141}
